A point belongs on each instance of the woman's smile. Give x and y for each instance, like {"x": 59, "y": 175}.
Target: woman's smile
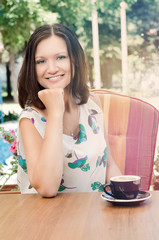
{"x": 55, "y": 78}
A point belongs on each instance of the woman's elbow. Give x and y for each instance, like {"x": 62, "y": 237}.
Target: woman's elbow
{"x": 45, "y": 190}
{"x": 47, "y": 193}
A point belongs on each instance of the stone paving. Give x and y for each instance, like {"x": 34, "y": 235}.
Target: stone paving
{"x": 12, "y": 107}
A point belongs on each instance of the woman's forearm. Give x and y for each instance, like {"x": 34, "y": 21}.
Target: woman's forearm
{"x": 48, "y": 172}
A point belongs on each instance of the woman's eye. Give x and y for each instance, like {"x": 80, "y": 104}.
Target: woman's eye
{"x": 40, "y": 61}
{"x": 61, "y": 57}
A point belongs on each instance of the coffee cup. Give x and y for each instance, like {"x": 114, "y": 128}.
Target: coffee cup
{"x": 123, "y": 187}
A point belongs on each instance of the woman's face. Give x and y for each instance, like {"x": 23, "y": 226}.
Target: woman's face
{"x": 53, "y": 66}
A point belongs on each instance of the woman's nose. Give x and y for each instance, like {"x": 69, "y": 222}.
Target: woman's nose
{"x": 52, "y": 66}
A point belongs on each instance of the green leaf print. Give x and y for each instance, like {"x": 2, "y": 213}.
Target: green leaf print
{"x": 98, "y": 161}
{"x": 92, "y": 121}
{"x": 81, "y": 137}
{"x": 105, "y": 157}
{"x": 80, "y": 163}
{"x": 97, "y": 185}
{"x": 102, "y": 159}
{"x": 85, "y": 168}
{"x": 22, "y": 163}
{"x": 61, "y": 188}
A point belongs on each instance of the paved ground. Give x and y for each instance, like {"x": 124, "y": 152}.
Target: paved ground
{"x": 10, "y": 106}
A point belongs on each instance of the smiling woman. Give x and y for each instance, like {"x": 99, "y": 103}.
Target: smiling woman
{"x": 61, "y": 139}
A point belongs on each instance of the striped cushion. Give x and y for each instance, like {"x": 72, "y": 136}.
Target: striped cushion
{"x": 131, "y": 125}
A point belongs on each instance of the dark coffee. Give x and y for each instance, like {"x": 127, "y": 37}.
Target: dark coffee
{"x": 123, "y": 187}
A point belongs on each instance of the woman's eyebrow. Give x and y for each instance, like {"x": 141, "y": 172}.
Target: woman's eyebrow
{"x": 63, "y": 52}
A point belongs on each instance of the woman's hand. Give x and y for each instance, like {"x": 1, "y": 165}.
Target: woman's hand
{"x": 53, "y": 99}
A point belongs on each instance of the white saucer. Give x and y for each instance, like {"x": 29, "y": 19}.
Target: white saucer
{"x": 142, "y": 196}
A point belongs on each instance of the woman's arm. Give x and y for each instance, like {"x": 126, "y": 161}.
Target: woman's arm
{"x": 112, "y": 169}
{"x": 44, "y": 156}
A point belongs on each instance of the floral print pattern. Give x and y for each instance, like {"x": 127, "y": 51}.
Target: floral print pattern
{"x": 81, "y": 137}
{"x": 79, "y": 163}
{"x": 92, "y": 121}
{"x": 102, "y": 159}
{"x": 22, "y": 163}
{"x": 97, "y": 186}
{"x": 43, "y": 119}
{"x": 63, "y": 187}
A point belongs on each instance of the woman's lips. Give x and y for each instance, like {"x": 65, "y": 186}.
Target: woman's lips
{"x": 55, "y": 78}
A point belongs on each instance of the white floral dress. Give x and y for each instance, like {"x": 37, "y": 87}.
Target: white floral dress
{"x": 84, "y": 156}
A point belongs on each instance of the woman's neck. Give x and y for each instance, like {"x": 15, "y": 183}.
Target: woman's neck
{"x": 70, "y": 103}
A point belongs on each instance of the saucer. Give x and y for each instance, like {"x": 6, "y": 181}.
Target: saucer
{"x": 142, "y": 196}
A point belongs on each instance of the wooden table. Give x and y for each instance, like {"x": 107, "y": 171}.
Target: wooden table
{"x": 76, "y": 216}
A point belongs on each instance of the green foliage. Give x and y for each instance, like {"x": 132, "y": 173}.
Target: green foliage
{"x": 70, "y": 12}
{"x": 18, "y": 18}
{"x": 143, "y": 19}
{"x": 143, "y": 43}
{"x": 10, "y": 116}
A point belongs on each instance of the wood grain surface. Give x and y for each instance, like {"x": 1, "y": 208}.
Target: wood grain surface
{"x": 76, "y": 216}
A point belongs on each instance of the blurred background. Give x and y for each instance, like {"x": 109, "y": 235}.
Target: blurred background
{"x": 121, "y": 41}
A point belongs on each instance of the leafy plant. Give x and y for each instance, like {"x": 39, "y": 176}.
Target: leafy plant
{"x": 155, "y": 168}
{"x": 10, "y": 116}
{"x": 10, "y": 137}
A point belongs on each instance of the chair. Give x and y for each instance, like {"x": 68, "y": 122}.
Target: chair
{"x": 131, "y": 126}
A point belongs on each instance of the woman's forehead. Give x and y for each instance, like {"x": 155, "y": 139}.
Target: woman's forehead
{"x": 53, "y": 45}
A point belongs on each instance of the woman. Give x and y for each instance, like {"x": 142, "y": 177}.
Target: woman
{"x": 61, "y": 143}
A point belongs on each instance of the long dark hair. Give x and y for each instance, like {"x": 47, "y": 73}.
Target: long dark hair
{"x": 28, "y": 85}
